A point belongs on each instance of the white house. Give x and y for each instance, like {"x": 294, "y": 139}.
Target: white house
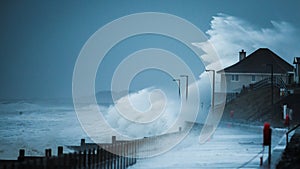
{"x": 255, "y": 67}
{"x": 297, "y": 69}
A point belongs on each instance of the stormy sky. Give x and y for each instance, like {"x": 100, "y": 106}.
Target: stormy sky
{"x": 41, "y": 40}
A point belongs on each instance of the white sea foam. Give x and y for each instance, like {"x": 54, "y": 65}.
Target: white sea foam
{"x": 36, "y": 126}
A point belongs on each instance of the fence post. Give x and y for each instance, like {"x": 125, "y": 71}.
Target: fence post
{"x": 27, "y": 165}
{"x": 135, "y": 149}
{"x": 48, "y": 152}
{"x": 132, "y": 155}
{"x": 111, "y": 157}
{"x": 113, "y": 139}
{"x": 110, "y": 162}
{"x": 70, "y": 161}
{"x": 113, "y": 150}
{"x": 97, "y": 156}
{"x": 123, "y": 155}
{"x": 105, "y": 157}
{"x": 129, "y": 154}
{"x": 75, "y": 160}
{"x": 102, "y": 157}
{"x": 12, "y": 166}
{"x": 47, "y": 158}
{"x": 107, "y": 161}
{"x": 79, "y": 159}
{"x": 89, "y": 158}
{"x": 93, "y": 158}
{"x": 133, "y": 152}
{"x": 21, "y": 155}
{"x": 82, "y": 142}
{"x": 65, "y": 160}
{"x": 42, "y": 163}
{"x": 84, "y": 158}
{"x": 119, "y": 155}
{"x": 34, "y": 163}
{"x": 60, "y": 150}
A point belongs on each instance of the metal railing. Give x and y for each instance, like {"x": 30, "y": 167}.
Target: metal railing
{"x": 267, "y": 82}
{"x": 288, "y": 132}
{"x": 277, "y": 82}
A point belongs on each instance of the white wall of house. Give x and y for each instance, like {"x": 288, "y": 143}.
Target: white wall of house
{"x": 236, "y": 81}
{"x": 297, "y": 74}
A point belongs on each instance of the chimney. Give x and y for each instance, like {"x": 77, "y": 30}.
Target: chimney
{"x": 242, "y": 54}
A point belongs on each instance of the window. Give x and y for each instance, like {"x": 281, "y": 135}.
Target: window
{"x": 253, "y": 78}
{"x": 235, "y": 78}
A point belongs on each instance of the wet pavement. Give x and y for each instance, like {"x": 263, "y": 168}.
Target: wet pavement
{"x": 230, "y": 147}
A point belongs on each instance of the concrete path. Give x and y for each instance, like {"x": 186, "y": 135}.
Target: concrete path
{"x": 230, "y": 147}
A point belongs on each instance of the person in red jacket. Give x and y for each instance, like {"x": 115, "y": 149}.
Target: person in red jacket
{"x": 287, "y": 120}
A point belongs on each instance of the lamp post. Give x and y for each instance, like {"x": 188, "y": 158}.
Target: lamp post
{"x": 186, "y": 85}
{"x": 272, "y": 83}
{"x": 213, "y": 92}
{"x": 178, "y": 85}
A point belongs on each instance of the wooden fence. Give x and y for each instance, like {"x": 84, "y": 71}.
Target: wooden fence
{"x": 119, "y": 154}
{"x": 116, "y": 155}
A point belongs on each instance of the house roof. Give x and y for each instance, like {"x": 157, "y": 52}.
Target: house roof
{"x": 257, "y": 62}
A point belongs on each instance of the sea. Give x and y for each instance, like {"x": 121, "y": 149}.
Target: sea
{"x": 39, "y": 125}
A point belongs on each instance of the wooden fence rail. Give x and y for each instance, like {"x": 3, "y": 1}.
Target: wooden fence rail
{"x": 117, "y": 155}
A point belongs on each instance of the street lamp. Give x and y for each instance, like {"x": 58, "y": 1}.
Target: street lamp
{"x": 186, "y": 85}
{"x": 272, "y": 81}
{"x": 178, "y": 85}
{"x": 213, "y": 92}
